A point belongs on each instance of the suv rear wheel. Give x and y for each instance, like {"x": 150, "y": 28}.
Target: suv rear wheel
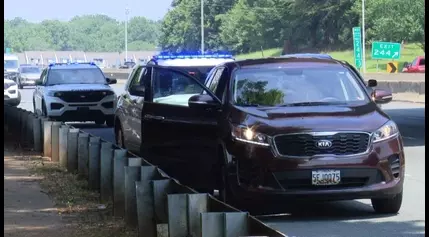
{"x": 387, "y": 205}
{"x": 119, "y": 136}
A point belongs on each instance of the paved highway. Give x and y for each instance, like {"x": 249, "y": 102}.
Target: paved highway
{"x": 347, "y": 218}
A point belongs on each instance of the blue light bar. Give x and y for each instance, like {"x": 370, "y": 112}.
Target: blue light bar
{"x": 73, "y": 63}
{"x": 187, "y": 55}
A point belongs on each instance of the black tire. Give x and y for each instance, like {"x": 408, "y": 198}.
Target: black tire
{"x": 100, "y": 121}
{"x": 16, "y": 101}
{"x": 110, "y": 121}
{"x": 119, "y": 136}
{"x": 44, "y": 110}
{"x": 387, "y": 205}
{"x": 225, "y": 193}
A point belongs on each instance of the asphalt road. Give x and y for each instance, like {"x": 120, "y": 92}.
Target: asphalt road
{"x": 346, "y": 218}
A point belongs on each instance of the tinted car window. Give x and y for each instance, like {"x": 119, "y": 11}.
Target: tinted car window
{"x": 76, "y": 76}
{"x": 422, "y": 62}
{"x": 283, "y": 86}
{"x": 173, "y": 88}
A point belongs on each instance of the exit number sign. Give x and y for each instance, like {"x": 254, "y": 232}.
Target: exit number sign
{"x": 386, "y": 50}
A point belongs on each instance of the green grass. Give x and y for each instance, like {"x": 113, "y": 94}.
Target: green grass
{"x": 408, "y": 53}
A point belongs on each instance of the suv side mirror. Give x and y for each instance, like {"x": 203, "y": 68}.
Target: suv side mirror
{"x": 203, "y": 101}
{"x": 138, "y": 90}
{"x": 372, "y": 83}
{"x": 111, "y": 80}
{"x": 381, "y": 96}
{"x": 38, "y": 82}
{"x": 406, "y": 65}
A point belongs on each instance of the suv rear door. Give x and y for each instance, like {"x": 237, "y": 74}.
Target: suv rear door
{"x": 180, "y": 139}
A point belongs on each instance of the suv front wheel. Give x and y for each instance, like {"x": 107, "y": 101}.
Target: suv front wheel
{"x": 387, "y": 205}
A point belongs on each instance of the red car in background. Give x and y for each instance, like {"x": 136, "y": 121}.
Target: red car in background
{"x": 417, "y": 66}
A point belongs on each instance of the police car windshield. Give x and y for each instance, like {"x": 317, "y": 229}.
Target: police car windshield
{"x": 199, "y": 72}
{"x": 30, "y": 70}
{"x": 76, "y": 76}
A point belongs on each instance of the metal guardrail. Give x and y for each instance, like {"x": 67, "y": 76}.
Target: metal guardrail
{"x": 142, "y": 194}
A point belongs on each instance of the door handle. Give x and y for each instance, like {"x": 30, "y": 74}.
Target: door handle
{"x": 148, "y": 117}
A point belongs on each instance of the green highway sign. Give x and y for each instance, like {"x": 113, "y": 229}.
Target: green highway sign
{"x": 386, "y": 50}
{"x": 357, "y": 46}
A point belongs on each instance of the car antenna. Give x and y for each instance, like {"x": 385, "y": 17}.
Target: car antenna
{"x": 262, "y": 51}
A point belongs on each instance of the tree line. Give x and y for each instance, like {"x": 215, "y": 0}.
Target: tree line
{"x": 239, "y": 26}
{"x": 90, "y": 33}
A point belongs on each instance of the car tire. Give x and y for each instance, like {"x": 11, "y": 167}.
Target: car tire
{"x": 119, "y": 136}
{"x": 44, "y": 110}
{"x": 387, "y": 205}
{"x": 110, "y": 121}
{"x": 17, "y": 101}
{"x": 19, "y": 85}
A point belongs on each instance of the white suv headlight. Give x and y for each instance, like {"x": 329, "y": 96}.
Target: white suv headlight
{"x": 247, "y": 135}
{"x": 388, "y": 130}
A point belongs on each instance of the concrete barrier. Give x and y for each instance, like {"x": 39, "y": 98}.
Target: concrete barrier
{"x": 143, "y": 194}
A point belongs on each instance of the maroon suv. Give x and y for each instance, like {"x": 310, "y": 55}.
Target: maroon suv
{"x": 282, "y": 128}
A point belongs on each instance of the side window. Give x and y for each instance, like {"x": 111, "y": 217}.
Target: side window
{"x": 135, "y": 79}
{"x": 414, "y": 63}
{"x": 422, "y": 62}
{"x": 174, "y": 88}
{"x": 43, "y": 76}
{"x": 209, "y": 78}
{"x": 215, "y": 82}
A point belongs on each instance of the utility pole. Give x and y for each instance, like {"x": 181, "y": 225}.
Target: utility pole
{"x": 363, "y": 36}
{"x": 202, "y": 26}
{"x": 127, "y": 11}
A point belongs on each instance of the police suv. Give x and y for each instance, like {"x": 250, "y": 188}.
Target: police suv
{"x": 75, "y": 92}
{"x": 129, "y": 107}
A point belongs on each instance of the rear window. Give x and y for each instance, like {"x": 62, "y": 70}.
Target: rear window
{"x": 422, "y": 62}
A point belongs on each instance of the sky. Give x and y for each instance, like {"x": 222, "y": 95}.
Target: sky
{"x": 39, "y": 10}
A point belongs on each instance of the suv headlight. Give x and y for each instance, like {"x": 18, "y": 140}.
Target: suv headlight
{"x": 388, "y": 130}
{"x": 54, "y": 93}
{"x": 248, "y": 135}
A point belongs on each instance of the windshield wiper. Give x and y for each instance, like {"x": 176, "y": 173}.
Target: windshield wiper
{"x": 315, "y": 103}
{"x": 249, "y": 105}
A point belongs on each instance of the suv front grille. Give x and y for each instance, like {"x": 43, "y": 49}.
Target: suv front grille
{"x": 304, "y": 145}
{"x": 83, "y": 96}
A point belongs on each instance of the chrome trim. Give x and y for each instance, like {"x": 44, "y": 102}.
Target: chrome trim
{"x": 314, "y": 134}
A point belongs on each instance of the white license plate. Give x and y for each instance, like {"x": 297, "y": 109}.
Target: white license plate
{"x": 325, "y": 177}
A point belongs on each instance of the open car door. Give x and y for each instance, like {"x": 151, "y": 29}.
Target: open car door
{"x": 179, "y": 125}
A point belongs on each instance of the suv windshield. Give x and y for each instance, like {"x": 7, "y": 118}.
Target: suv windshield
{"x": 10, "y": 64}
{"x": 30, "y": 70}
{"x": 76, "y": 76}
{"x": 296, "y": 86}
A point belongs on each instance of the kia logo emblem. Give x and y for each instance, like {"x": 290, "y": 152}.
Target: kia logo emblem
{"x": 323, "y": 144}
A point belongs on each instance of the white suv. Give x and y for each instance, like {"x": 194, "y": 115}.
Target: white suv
{"x": 11, "y": 93}
{"x": 75, "y": 92}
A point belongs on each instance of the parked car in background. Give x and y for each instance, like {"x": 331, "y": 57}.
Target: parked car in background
{"x": 28, "y": 75}
{"x": 12, "y": 96}
{"x": 75, "y": 92}
{"x": 417, "y": 66}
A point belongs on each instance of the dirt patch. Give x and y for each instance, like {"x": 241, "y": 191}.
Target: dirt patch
{"x": 42, "y": 200}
